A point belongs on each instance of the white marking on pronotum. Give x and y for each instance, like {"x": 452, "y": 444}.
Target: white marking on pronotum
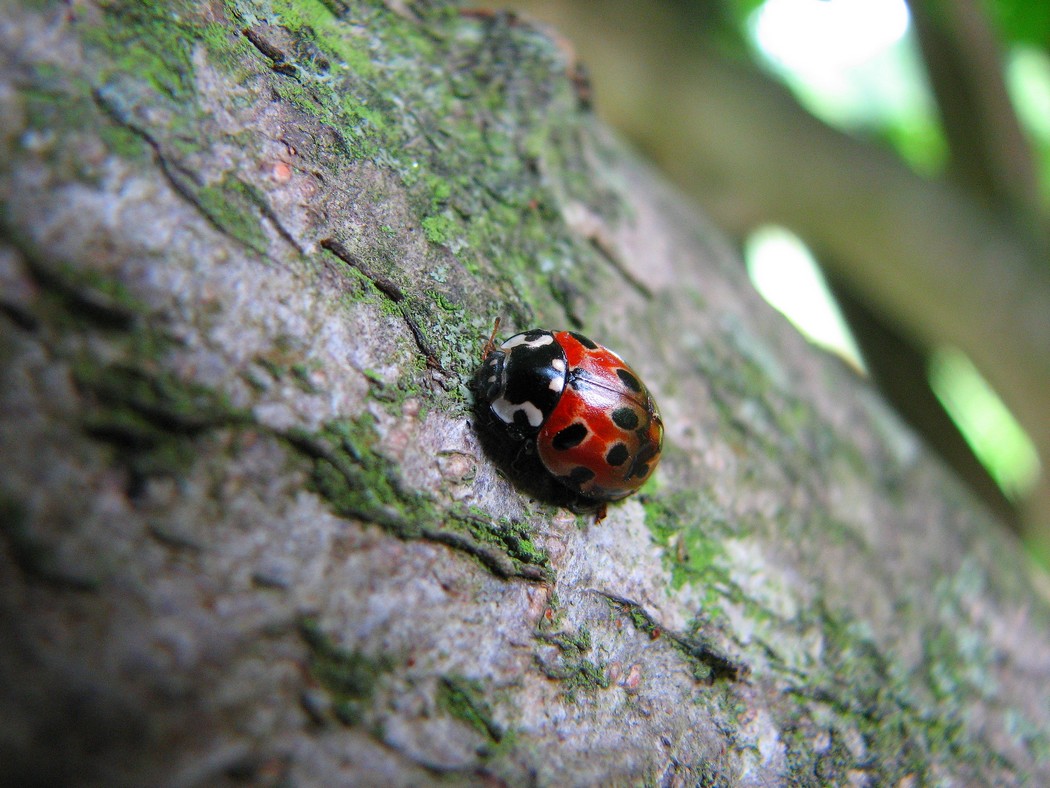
{"x": 506, "y": 410}
{"x": 558, "y": 381}
{"x": 520, "y": 339}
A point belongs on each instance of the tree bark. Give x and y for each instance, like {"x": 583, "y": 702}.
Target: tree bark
{"x": 250, "y": 253}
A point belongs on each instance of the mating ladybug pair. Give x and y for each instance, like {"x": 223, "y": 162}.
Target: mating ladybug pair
{"x": 586, "y": 415}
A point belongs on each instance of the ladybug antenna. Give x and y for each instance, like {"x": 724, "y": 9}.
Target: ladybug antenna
{"x": 491, "y": 344}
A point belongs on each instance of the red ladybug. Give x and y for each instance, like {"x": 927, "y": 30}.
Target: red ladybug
{"x": 589, "y": 417}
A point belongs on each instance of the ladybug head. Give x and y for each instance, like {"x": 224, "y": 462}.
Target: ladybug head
{"x": 522, "y": 380}
{"x": 490, "y": 380}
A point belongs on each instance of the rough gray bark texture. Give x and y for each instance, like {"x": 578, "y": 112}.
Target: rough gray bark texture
{"x": 249, "y": 255}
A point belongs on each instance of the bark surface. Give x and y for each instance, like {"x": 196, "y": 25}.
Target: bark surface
{"x": 249, "y": 253}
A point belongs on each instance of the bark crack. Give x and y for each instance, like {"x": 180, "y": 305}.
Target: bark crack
{"x": 605, "y": 249}
{"x": 392, "y": 291}
{"x": 279, "y": 60}
{"x": 715, "y": 664}
{"x": 341, "y": 477}
{"x": 177, "y": 179}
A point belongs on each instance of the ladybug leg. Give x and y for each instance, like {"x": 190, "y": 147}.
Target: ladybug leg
{"x": 600, "y": 513}
{"x": 524, "y": 459}
{"x": 490, "y": 345}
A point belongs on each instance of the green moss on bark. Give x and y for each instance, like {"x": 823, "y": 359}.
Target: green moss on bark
{"x": 578, "y": 674}
{"x": 352, "y": 475}
{"x": 452, "y": 139}
{"x": 349, "y": 676}
{"x": 464, "y": 699}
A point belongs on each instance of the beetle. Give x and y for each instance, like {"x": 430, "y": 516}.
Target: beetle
{"x": 577, "y": 406}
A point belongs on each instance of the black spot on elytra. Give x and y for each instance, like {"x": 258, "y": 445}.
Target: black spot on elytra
{"x": 629, "y": 380}
{"x": 571, "y": 436}
{"x": 639, "y": 470}
{"x": 625, "y": 418}
{"x": 584, "y": 341}
{"x": 580, "y": 475}
{"x": 617, "y": 455}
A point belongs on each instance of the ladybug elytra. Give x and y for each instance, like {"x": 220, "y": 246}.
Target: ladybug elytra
{"x": 587, "y": 415}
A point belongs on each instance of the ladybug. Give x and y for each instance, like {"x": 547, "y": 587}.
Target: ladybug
{"x": 576, "y": 405}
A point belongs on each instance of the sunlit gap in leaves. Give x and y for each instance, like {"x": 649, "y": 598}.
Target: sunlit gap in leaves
{"x": 996, "y": 438}
{"x": 1028, "y": 81}
{"x": 785, "y": 273}
{"x": 854, "y": 64}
